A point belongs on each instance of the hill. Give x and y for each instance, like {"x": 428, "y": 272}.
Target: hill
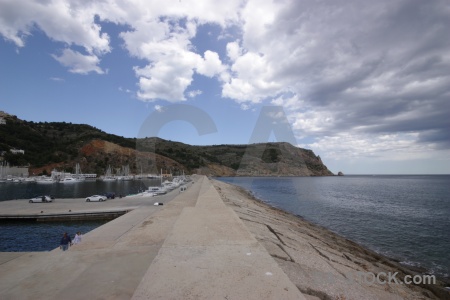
{"x": 61, "y": 145}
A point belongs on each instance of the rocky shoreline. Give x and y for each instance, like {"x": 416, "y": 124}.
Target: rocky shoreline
{"x": 322, "y": 264}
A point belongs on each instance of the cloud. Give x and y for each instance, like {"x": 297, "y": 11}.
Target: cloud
{"x": 79, "y": 63}
{"x": 211, "y": 65}
{"x": 161, "y": 36}
{"x": 62, "y": 21}
{"x": 158, "y": 34}
{"x": 195, "y": 93}
{"x": 388, "y": 147}
{"x": 347, "y": 66}
{"x": 167, "y": 78}
{"x": 58, "y": 79}
{"x": 234, "y": 50}
{"x": 343, "y": 70}
{"x": 171, "y": 59}
{"x": 245, "y": 106}
{"x": 128, "y": 91}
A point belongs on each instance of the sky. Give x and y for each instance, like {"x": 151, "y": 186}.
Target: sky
{"x": 364, "y": 84}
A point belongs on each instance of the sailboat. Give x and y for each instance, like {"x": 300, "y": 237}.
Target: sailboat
{"x": 73, "y": 178}
{"x": 78, "y": 174}
{"x": 125, "y": 173}
{"x": 108, "y": 175}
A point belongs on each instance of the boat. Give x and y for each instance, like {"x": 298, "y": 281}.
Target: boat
{"x": 70, "y": 180}
{"x": 78, "y": 175}
{"x": 147, "y": 194}
{"x": 110, "y": 178}
{"x": 45, "y": 180}
{"x": 168, "y": 185}
{"x": 125, "y": 174}
{"x": 64, "y": 177}
{"x": 153, "y": 176}
{"x": 108, "y": 175}
{"x": 156, "y": 190}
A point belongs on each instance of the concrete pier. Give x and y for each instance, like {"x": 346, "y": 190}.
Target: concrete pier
{"x": 192, "y": 247}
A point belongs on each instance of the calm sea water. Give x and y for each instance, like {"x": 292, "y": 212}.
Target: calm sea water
{"x": 40, "y": 236}
{"x": 404, "y": 217}
{"x": 45, "y": 236}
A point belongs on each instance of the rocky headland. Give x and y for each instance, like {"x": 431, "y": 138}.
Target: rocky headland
{"x": 61, "y": 145}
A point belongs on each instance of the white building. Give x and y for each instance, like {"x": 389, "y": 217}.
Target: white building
{"x": 17, "y": 151}
{"x": 2, "y": 121}
{"x": 7, "y": 171}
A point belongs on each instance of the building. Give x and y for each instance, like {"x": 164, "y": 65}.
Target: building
{"x": 17, "y": 151}
{"x": 2, "y": 121}
{"x": 6, "y": 171}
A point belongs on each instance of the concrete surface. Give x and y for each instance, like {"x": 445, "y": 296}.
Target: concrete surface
{"x": 210, "y": 254}
{"x": 192, "y": 247}
{"x": 108, "y": 264}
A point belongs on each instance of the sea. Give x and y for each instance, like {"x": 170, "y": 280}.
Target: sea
{"x": 28, "y": 236}
{"x": 404, "y": 217}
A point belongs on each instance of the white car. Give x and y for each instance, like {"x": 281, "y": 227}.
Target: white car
{"x": 96, "y": 198}
{"x": 41, "y": 199}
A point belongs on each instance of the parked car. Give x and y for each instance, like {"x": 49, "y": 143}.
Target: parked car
{"x": 41, "y": 199}
{"x": 96, "y": 198}
{"x": 110, "y": 195}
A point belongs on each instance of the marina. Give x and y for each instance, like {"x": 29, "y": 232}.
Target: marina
{"x": 10, "y": 190}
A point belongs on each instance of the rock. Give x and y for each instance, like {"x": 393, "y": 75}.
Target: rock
{"x": 340, "y": 173}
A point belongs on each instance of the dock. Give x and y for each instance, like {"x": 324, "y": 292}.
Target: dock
{"x": 192, "y": 247}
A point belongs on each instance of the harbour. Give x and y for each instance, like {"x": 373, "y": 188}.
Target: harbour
{"x": 225, "y": 239}
{"x": 26, "y": 190}
{"x": 140, "y": 244}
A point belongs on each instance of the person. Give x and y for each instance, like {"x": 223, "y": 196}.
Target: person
{"x": 65, "y": 242}
{"x": 77, "y": 238}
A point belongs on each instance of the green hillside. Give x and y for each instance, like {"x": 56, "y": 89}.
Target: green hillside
{"x": 50, "y": 143}
{"x": 45, "y": 143}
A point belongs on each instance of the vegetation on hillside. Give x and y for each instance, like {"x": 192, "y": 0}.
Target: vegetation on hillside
{"x": 64, "y": 144}
{"x": 46, "y": 143}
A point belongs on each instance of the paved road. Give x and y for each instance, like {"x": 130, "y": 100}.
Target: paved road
{"x": 79, "y": 205}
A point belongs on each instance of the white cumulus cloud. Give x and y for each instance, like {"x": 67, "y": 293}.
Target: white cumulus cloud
{"x": 193, "y": 94}
{"x": 79, "y": 63}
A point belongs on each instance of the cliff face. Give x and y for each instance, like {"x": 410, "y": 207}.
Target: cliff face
{"x": 268, "y": 159}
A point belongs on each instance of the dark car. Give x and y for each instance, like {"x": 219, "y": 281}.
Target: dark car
{"x": 110, "y": 195}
